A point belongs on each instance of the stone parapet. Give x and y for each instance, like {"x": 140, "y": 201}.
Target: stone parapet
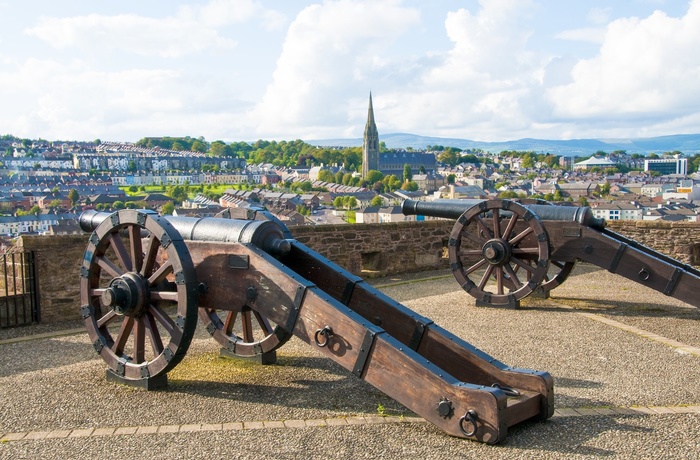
{"x": 367, "y": 250}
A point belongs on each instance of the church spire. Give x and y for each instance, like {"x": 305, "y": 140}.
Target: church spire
{"x": 370, "y": 144}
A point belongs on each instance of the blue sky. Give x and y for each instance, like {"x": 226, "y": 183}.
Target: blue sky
{"x": 488, "y": 70}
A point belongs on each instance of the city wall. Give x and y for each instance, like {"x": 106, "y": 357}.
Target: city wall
{"x": 368, "y": 250}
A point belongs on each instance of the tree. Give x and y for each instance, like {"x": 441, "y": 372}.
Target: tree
{"x": 409, "y": 186}
{"x": 220, "y": 149}
{"x": 325, "y": 175}
{"x": 338, "y": 202}
{"x": 178, "y": 193}
{"x": 73, "y": 196}
{"x": 117, "y": 205}
{"x": 377, "y": 201}
{"x": 374, "y": 176}
{"x": 131, "y": 167}
{"x": 407, "y": 173}
{"x": 582, "y": 201}
{"x": 167, "y": 208}
{"x": 605, "y": 189}
{"x": 448, "y": 157}
{"x": 508, "y": 194}
{"x": 304, "y": 186}
{"x": 451, "y": 178}
{"x": 199, "y": 146}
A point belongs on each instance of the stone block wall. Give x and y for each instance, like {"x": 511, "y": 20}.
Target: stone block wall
{"x": 58, "y": 260}
{"x": 370, "y": 250}
{"x": 367, "y": 250}
{"x": 680, "y": 240}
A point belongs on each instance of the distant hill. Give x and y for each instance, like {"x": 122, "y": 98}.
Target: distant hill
{"x": 686, "y": 143}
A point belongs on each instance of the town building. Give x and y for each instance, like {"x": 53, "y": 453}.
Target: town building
{"x": 667, "y": 166}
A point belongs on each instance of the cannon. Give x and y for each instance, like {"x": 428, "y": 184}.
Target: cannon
{"x": 501, "y": 251}
{"x": 145, "y": 279}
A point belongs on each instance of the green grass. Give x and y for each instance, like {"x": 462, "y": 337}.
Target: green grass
{"x": 194, "y": 189}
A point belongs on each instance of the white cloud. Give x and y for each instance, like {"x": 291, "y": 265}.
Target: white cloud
{"x": 600, "y": 16}
{"x": 169, "y": 37}
{"x": 588, "y": 34}
{"x": 478, "y": 87}
{"x": 646, "y": 69}
{"x": 328, "y": 48}
{"x": 191, "y": 30}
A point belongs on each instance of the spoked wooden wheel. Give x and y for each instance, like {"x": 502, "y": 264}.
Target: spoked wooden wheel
{"x": 136, "y": 273}
{"x": 244, "y": 331}
{"x": 501, "y": 241}
{"x": 558, "y": 273}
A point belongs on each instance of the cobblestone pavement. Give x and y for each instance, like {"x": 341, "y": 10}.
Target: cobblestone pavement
{"x": 625, "y": 362}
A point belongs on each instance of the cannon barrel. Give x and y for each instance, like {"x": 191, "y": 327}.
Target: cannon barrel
{"x": 452, "y": 209}
{"x": 267, "y": 235}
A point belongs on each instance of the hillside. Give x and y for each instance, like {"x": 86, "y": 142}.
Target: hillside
{"x": 686, "y": 143}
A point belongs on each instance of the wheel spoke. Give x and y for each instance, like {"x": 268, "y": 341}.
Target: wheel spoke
{"x": 230, "y": 321}
{"x": 120, "y": 251}
{"x": 135, "y": 244}
{"x": 484, "y": 228}
{"x": 247, "y": 325}
{"x": 485, "y": 278}
{"x": 470, "y": 252}
{"x": 164, "y": 295}
{"x": 150, "y": 252}
{"x": 524, "y": 265}
{"x": 106, "y": 319}
{"x": 525, "y": 251}
{"x": 513, "y": 276}
{"x": 108, "y": 266}
{"x": 139, "y": 341}
{"x": 471, "y": 236}
{"x": 152, "y": 332}
{"x": 510, "y": 226}
{"x": 520, "y": 236}
{"x": 123, "y": 336}
{"x": 160, "y": 274}
{"x": 475, "y": 267}
{"x": 163, "y": 318}
{"x": 263, "y": 322}
{"x": 97, "y": 292}
{"x": 499, "y": 280}
{"x": 496, "y": 223}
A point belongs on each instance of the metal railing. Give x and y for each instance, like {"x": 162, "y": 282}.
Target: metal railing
{"x": 19, "y": 293}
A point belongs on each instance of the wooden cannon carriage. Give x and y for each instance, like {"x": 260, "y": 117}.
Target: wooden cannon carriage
{"x": 145, "y": 279}
{"x": 501, "y": 251}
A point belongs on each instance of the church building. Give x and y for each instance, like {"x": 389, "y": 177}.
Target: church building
{"x": 390, "y": 162}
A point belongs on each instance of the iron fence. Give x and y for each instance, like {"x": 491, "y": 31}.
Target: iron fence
{"x": 19, "y": 294}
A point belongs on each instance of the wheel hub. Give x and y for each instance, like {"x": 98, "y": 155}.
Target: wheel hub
{"x": 127, "y": 295}
{"x": 496, "y": 251}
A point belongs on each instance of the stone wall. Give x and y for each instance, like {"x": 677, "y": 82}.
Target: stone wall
{"x": 680, "y": 240}
{"x": 372, "y": 250}
{"x": 368, "y": 250}
{"x": 58, "y": 260}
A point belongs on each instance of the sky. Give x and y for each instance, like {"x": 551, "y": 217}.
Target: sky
{"x": 242, "y": 70}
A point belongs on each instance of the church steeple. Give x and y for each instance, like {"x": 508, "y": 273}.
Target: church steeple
{"x": 370, "y": 144}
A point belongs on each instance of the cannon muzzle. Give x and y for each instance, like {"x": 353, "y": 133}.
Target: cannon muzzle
{"x": 267, "y": 235}
{"x": 452, "y": 209}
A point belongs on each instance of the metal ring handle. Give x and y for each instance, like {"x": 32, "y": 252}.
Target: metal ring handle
{"x": 326, "y": 332}
{"x": 507, "y": 390}
{"x": 471, "y": 416}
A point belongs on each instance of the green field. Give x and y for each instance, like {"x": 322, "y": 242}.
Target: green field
{"x": 193, "y": 190}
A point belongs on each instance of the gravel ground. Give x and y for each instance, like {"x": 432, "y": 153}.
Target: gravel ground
{"x": 660, "y": 437}
{"x": 59, "y": 383}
